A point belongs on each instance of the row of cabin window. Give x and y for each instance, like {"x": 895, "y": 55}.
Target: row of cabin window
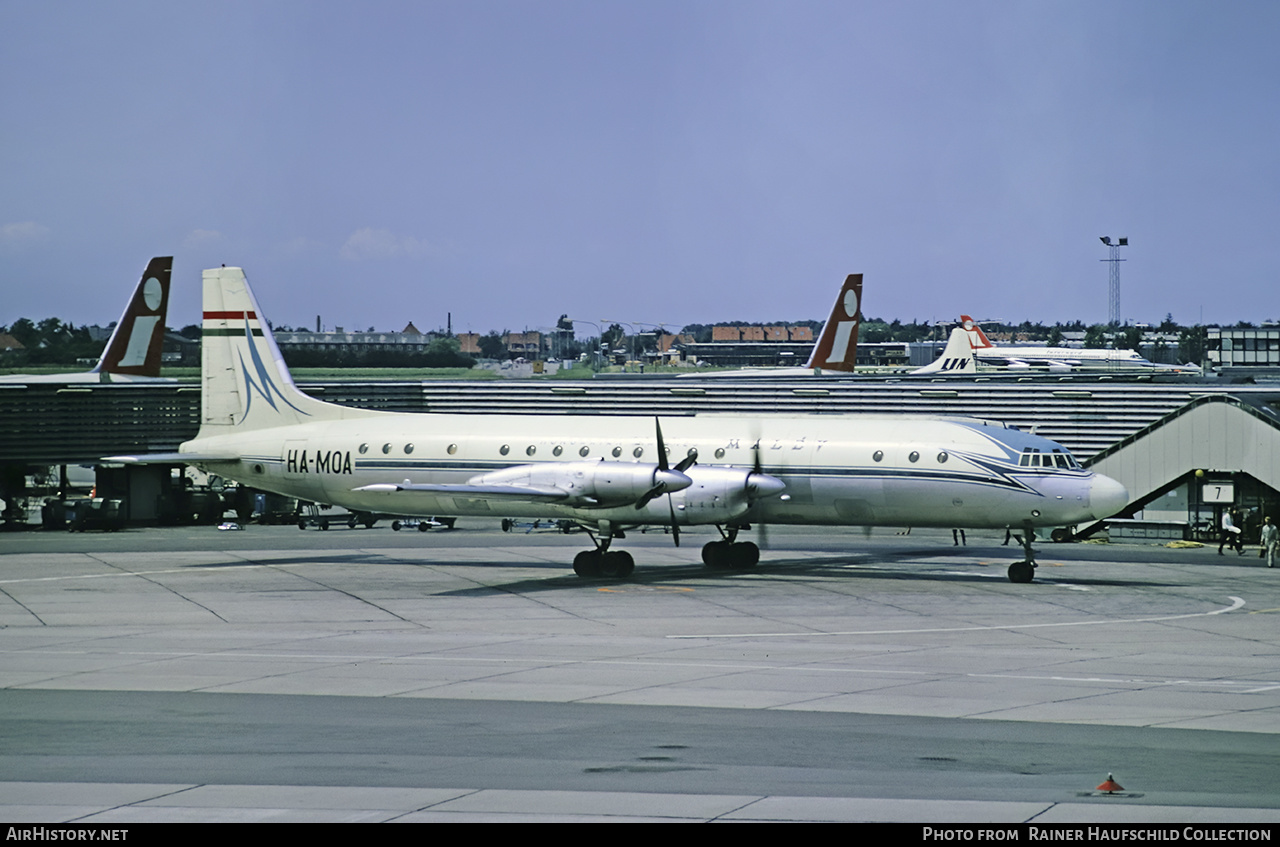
{"x": 585, "y": 451}
{"x": 913, "y": 456}
{"x": 558, "y": 450}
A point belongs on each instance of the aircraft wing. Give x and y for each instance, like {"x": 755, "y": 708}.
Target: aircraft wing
{"x": 510, "y": 493}
{"x": 171, "y": 458}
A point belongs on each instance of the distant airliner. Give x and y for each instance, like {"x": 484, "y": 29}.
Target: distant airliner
{"x": 1054, "y": 359}
{"x": 133, "y": 352}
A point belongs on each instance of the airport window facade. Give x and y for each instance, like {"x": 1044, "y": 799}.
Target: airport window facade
{"x": 1233, "y": 348}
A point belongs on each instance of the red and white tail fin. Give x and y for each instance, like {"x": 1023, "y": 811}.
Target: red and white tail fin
{"x": 135, "y": 345}
{"x": 837, "y": 347}
{"x": 976, "y": 335}
{"x": 957, "y": 358}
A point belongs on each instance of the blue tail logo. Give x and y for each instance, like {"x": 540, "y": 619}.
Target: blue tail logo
{"x": 263, "y": 385}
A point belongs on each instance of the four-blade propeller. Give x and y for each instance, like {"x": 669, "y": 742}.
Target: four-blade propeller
{"x": 666, "y": 480}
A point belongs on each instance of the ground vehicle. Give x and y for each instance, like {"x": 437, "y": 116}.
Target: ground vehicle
{"x": 423, "y": 524}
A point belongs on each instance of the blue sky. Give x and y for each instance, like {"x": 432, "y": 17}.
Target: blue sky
{"x": 653, "y": 162}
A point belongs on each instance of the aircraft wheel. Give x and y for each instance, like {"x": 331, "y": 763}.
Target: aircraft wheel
{"x": 746, "y": 555}
{"x": 324, "y": 524}
{"x": 395, "y": 526}
{"x": 1060, "y": 535}
{"x": 302, "y": 524}
{"x": 617, "y": 564}
{"x": 587, "y": 563}
{"x": 716, "y": 555}
{"x": 1021, "y": 572}
{"x": 506, "y": 524}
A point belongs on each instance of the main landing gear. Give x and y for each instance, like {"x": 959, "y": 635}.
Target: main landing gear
{"x": 601, "y": 561}
{"x": 1025, "y": 570}
{"x": 729, "y": 553}
{"x": 617, "y": 563}
{"x": 724, "y": 555}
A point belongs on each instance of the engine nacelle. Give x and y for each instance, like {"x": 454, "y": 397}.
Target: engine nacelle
{"x": 597, "y": 483}
{"x": 716, "y": 496}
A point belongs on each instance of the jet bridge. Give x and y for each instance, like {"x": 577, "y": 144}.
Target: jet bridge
{"x": 1218, "y": 451}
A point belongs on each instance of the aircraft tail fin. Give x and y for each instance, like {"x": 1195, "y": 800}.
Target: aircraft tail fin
{"x": 976, "y": 335}
{"x": 246, "y": 382}
{"x": 136, "y": 344}
{"x": 957, "y": 358}
{"x": 837, "y": 347}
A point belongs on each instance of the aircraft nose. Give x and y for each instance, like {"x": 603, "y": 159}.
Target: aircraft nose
{"x": 1106, "y": 496}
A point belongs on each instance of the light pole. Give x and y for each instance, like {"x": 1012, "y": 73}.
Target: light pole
{"x": 634, "y": 333}
{"x": 595, "y": 353}
{"x": 1114, "y": 283}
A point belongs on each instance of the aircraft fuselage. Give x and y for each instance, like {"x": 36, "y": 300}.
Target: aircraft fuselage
{"x": 837, "y": 471}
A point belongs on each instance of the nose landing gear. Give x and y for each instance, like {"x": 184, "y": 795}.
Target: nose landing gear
{"x": 1025, "y": 570}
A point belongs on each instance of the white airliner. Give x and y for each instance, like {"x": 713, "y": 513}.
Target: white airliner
{"x": 835, "y": 350}
{"x": 133, "y": 352}
{"x": 1057, "y": 359}
{"x": 610, "y": 474}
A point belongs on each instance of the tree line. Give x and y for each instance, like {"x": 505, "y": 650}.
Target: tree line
{"x": 54, "y": 342}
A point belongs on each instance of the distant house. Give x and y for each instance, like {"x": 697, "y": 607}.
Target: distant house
{"x": 753, "y": 346}
{"x": 527, "y": 344}
{"x": 410, "y": 340}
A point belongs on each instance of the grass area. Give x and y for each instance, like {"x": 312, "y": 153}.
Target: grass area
{"x": 46, "y": 369}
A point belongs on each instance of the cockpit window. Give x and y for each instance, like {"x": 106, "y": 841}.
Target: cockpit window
{"x": 1033, "y": 458}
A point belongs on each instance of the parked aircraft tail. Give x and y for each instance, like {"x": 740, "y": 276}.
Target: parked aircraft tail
{"x": 957, "y": 358}
{"x": 246, "y": 382}
{"x": 136, "y": 344}
{"x": 976, "y": 336}
{"x": 837, "y": 347}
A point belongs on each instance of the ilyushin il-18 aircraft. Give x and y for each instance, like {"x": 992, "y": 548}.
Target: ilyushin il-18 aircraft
{"x": 612, "y": 474}
{"x": 133, "y": 352}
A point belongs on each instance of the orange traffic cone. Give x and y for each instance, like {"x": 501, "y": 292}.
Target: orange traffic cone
{"x": 1110, "y": 785}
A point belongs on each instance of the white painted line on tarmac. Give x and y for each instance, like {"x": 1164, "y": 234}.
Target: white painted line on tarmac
{"x": 187, "y": 569}
{"x": 528, "y": 665}
{"x": 1235, "y": 604}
